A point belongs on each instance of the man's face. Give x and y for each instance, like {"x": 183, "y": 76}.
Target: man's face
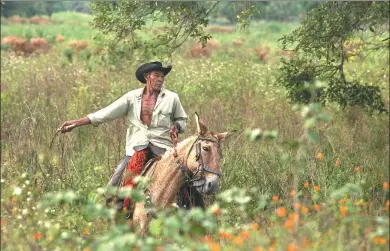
{"x": 155, "y": 80}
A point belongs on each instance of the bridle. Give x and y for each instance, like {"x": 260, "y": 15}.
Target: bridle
{"x": 197, "y": 178}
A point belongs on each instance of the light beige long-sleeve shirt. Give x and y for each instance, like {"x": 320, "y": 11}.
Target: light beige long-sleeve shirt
{"x": 167, "y": 110}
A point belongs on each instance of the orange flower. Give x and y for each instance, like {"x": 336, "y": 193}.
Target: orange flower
{"x": 385, "y": 185}
{"x": 225, "y": 235}
{"x": 304, "y": 210}
{"x": 207, "y": 238}
{"x": 275, "y": 198}
{"x": 343, "y": 200}
{"x": 297, "y": 206}
{"x": 245, "y": 234}
{"x": 377, "y": 240}
{"x": 293, "y": 193}
{"x": 217, "y": 211}
{"x": 306, "y": 185}
{"x": 86, "y": 249}
{"x": 254, "y": 226}
{"x": 238, "y": 240}
{"x": 317, "y": 188}
{"x": 316, "y": 207}
{"x": 319, "y": 156}
{"x": 258, "y": 248}
{"x": 356, "y": 169}
{"x": 306, "y": 243}
{"x": 383, "y": 241}
{"x": 291, "y": 247}
{"x": 387, "y": 203}
{"x": 358, "y": 203}
{"x": 289, "y": 224}
{"x": 281, "y": 211}
{"x": 343, "y": 211}
{"x": 14, "y": 211}
{"x": 13, "y": 200}
{"x": 338, "y": 163}
{"x": 159, "y": 248}
{"x": 38, "y": 236}
{"x": 214, "y": 246}
{"x": 86, "y": 232}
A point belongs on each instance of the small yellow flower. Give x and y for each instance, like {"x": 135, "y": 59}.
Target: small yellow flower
{"x": 306, "y": 185}
{"x": 293, "y": 193}
{"x": 338, "y": 163}
{"x": 297, "y": 206}
{"x": 258, "y": 248}
{"x": 356, "y": 169}
{"x": 238, "y": 240}
{"x": 319, "y": 156}
{"x": 316, "y": 207}
{"x": 254, "y": 226}
{"x": 317, "y": 188}
{"x": 385, "y": 185}
{"x": 304, "y": 210}
{"x": 13, "y": 200}
{"x": 275, "y": 198}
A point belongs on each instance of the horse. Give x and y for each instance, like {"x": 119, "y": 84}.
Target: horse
{"x": 196, "y": 162}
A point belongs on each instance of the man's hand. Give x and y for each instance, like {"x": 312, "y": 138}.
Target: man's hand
{"x": 173, "y": 131}
{"x": 71, "y": 124}
{"x": 68, "y": 126}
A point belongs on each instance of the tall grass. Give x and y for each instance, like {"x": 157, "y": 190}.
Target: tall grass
{"x": 40, "y": 92}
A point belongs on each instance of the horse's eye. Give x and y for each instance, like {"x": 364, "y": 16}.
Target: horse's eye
{"x": 206, "y": 149}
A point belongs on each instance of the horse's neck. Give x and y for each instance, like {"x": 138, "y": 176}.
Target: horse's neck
{"x": 167, "y": 177}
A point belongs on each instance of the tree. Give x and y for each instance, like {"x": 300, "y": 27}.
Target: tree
{"x": 182, "y": 20}
{"x": 321, "y": 47}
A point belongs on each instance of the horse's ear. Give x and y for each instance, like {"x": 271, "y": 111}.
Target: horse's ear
{"x": 200, "y": 126}
{"x": 223, "y": 135}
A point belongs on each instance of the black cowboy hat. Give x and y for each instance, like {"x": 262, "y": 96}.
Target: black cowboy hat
{"x": 148, "y": 67}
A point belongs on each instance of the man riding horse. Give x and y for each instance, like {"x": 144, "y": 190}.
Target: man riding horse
{"x": 155, "y": 116}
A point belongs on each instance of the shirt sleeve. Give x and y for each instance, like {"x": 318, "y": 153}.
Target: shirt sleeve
{"x": 114, "y": 111}
{"x": 179, "y": 117}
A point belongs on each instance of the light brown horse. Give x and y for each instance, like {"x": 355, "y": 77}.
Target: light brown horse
{"x": 197, "y": 162}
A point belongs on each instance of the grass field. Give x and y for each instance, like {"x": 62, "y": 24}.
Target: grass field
{"x": 329, "y": 195}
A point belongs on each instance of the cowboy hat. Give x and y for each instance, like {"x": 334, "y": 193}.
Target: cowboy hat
{"x": 148, "y": 67}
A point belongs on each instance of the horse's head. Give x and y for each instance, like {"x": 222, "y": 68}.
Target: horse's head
{"x": 204, "y": 159}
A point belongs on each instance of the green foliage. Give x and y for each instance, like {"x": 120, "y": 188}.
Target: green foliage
{"x": 320, "y": 44}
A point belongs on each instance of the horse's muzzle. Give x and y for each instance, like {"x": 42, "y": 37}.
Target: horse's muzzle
{"x": 210, "y": 186}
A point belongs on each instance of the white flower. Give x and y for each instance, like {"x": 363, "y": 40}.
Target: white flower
{"x": 19, "y": 217}
{"x": 2, "y": 180}
{"x": 27, "y": 182}
{"x": 24, "y": 175}
{"x": 17, "y": 191}
{"x": 25, "y": 211}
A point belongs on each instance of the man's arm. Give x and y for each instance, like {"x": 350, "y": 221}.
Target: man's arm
{"x": 71, "y": 124}
{"x": 115, "y": 110}
{"x": 179, "y": 116}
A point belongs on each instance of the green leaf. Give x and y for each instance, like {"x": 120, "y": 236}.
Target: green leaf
{"x": 155, "y": 227}
{"x": 310, "y": 122}
{"x": 312, "y": 136}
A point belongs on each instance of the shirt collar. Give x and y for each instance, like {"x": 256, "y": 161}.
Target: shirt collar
{"x": 141, "y": 90}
